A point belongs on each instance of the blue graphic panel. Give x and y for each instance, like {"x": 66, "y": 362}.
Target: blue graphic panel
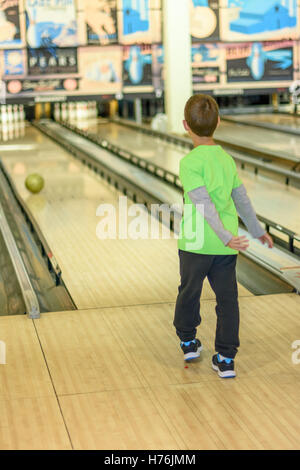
{"x": 257, "y": 16}
{"x": 135, "y": 16}
{"x": 200, "y": 3}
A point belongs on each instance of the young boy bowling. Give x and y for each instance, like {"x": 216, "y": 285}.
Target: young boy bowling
{"x": 209, "y": 241}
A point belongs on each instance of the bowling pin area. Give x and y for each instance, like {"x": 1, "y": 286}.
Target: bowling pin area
{"x": 80, "y": 111}
{"x": 12, "y": 122}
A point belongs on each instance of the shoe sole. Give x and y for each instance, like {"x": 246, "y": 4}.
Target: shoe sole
{"x": 193, "y": 355}
{"x": 228, "y": 374}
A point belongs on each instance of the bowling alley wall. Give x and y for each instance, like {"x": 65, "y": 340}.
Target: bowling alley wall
{"x": 111, "y": 48}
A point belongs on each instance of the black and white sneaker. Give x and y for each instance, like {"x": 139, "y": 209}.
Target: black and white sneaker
{"x": 225, "y": 368}
{"x": 191, "y": 349}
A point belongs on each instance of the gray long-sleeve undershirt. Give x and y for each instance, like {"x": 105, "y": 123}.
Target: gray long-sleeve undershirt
{"x": 246, "y": 212}
{"x": 244, "y": 208}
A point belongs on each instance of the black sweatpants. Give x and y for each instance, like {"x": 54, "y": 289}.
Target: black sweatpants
{"x": 221, "y": 273}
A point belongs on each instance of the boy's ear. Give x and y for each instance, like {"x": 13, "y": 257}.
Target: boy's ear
{"x": 185, "y": 125}
{"x": 219, "y": 121}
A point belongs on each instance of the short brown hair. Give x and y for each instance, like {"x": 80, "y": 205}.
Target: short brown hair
{"x": 201, "y": 114}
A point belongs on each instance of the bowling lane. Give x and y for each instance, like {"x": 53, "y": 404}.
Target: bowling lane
{"x": 161, "y": 153}
{"x": 264, "y": 140}
{"x": 274, "y": 121}
{"x": 273, "y": 200}
{"x": 270, "y": 198}
{"x": 168, "y": 154}
{"x": 96, "y": 272}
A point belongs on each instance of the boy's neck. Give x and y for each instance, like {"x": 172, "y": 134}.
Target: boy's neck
{"x": 202, "y": 140}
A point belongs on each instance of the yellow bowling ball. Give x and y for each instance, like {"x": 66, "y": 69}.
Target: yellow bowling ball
{"x": 34, "y": 183}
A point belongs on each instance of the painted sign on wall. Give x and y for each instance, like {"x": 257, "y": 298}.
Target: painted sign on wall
{"x": 204, "y": 18}
{"x": 51, "y": 24}
{"x": 138, "y": 22}
{"x": 207, "y": 61}
{"x": 9, "y": 24}
{"x": 268, "y": 61}
{"x": 137, "y": 65}
{"x": 100, "y": 69}
{"x": 13, "y": 62}
{"x": 52, "y": 60}
{"x": 101, "y": 21}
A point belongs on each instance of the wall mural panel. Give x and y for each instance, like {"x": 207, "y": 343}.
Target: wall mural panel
{"x": 94, "y": 47}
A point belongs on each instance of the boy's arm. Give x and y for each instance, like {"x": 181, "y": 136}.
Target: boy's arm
{"x": 247, "y": 213}
{"x": 200, "y": 196}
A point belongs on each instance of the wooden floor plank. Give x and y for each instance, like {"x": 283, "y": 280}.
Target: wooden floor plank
{"x": 25, "y": 374}
{"x": 29, "y": 411}
{"x": 32, "y": 424}
{"x": 83, "y": 354}
{"x": 206, "y": 422}
{"x": 122, "y": 420}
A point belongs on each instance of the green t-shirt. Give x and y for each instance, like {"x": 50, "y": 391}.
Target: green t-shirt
{"x": 212, "y": 167}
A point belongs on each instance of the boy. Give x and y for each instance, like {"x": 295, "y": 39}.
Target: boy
{"x": 209, "y": 241}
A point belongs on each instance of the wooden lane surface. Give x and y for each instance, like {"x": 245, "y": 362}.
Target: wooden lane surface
{"x": 114, "y": 378}
{"x": 284, "y": 121}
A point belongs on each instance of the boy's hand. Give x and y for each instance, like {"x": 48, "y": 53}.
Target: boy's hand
{"x": 267, "y": 239}
{"x": 239, "y": 243}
